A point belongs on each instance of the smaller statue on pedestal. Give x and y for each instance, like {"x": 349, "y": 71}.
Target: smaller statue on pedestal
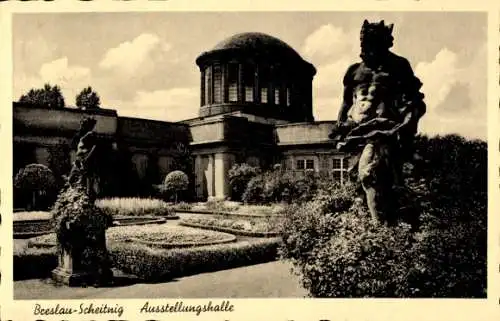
{"x": 80, "y": 226}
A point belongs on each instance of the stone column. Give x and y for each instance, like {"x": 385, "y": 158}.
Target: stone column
{"x": 224, "y": 86}
{"x": 223, "y": 162}
{"x": 202, "y": 88}
{"x": 256, "y": 89}
{"x": 241, "y": 87}
{"x": 209, "y": 175}
{"x": 198, "y": 177}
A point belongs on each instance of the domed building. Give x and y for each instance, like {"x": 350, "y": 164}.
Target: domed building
{"x": 256, "y": 74}
{"x": 256, "y": 107}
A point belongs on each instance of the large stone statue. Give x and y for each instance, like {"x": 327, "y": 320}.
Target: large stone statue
{"x": 378, "y": 119}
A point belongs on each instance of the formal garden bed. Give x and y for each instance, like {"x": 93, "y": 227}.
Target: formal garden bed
{"x": 229, "y": 208}
{"x": 134, "y": 206}
{"x": 253, "y": 227}
{"x": 155, "y": 235}
{"x": 144, "y": 251}
{"x": 154, "y": 264}
{"x": 125, "y": 211}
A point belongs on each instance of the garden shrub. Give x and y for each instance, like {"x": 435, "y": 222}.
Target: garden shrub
{"x": 280, "y": 185}
{"x": 134, "y": 206}
{"x": 254, "y": 189}
{"x": 37, "y": 185}
{"x": 239, "y": 176}
{"x": 339, "y": 252}
{"x": 182, "y": 206}
{"x": 219, "y": 205}
{"x": 455, "y": 169}
{"x": 159, "y": 264}
{"x": 175, "y": 183}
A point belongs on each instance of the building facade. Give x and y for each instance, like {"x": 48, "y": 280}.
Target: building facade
{"x": 255, "y": 107}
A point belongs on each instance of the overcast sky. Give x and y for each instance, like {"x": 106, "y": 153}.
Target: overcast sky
{"x": 143, "y": 64}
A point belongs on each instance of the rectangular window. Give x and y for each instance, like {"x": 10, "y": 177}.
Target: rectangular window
{"x": 310, "y": 164}
{"x": 249, "y": 81}
{"x": 263, "y": 95}
{"x": 232, "y": 79}
{"x": 264, "y": 84}
{"x": 339, "y": 169}
{"x": 208, "y": 85}
{"x": 277, "y": 96}
{"x": 217, "y": 84}
{"x": 288, "y": 96}
{"x": 337, "y": 163}
{"x": 300, "y": 164}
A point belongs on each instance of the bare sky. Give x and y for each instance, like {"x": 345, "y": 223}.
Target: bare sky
{"x": 143, "y": 64}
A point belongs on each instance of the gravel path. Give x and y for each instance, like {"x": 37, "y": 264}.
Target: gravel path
{"x": 268, "y": 280}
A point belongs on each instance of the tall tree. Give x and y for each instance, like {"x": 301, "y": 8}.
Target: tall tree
{"x": 88, "y": 99}
{"x": 50, "y": 96}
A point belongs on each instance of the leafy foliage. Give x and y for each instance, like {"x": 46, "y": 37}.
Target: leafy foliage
{"x": 49, "y": 96}
{"x": 279, "y": 185}
{"x": 38, "y": 183}
{"x": 80, "y": 226}
{"x": 239, "y": 176}
{"x": 88, "y": 99}
{"x": 175, "y": 182}
{"x": 339, "y": 252}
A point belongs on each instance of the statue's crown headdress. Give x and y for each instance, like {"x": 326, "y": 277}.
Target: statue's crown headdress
{"x": 377, "y": 32}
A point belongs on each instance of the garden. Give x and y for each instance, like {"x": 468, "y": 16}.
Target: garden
{"x": 437, "y": 249}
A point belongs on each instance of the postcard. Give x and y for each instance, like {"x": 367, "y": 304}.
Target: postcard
{"x": 179, "y": 160}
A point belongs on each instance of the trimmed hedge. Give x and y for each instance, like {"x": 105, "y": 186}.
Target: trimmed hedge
{"x": 152, "y": 264}
{"x": 160, "y": 264}
{"x": 44, "y": 259}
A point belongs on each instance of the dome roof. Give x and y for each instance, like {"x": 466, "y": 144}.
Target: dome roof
{"x": 255, "y": 41}
{"x": 255, "y": 44}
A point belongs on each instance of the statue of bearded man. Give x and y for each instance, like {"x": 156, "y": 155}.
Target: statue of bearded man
{"x": 378, "y": 119}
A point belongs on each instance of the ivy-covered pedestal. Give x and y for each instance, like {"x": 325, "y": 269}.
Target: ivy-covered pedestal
{"x": 80, "y": 226}
{"x": 81, "y": 237}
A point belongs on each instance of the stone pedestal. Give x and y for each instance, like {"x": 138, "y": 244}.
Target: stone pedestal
{"x": 71, "y": 272}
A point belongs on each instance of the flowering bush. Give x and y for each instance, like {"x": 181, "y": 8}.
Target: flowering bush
{"x": 134, "y": 206}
